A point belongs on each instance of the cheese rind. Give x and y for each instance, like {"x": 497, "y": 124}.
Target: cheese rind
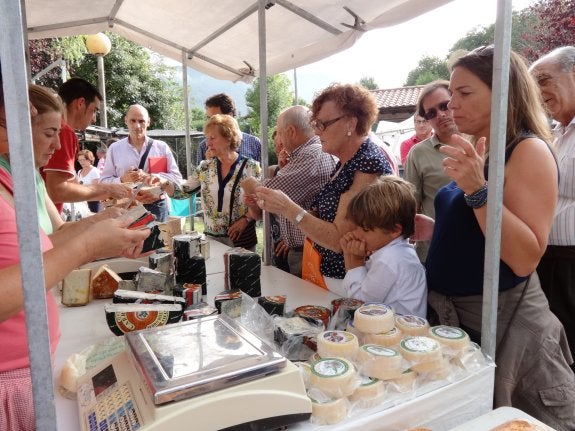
{"x": 105, "y": 282}
{"x": 374, "y": 318}
{"x": 412, "y": 325}
{"x": 76, "y": 288}
{"x": 387, "y": 339}
{"x": 337, "y": 344}
{"x": 335, "y": 377}
{"x": 380, "y": 362}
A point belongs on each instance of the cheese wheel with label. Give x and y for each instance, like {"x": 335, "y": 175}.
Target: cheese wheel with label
{"x": 423, "y": 352}
{"x": 387, "y": 339}
{"x": 369, "y": 393}
{"x": 412, "y": 325}
{"x": 339, "y": 344}
{"x": 374, "y": 318}
{"x": 380, "y": 362}
{"x": 451, "y": 337}
{"x": 326, "y": 410}
{"x": 335, "y": 377}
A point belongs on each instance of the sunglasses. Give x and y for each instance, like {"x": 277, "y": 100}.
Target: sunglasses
{"x": 432, "y": 113}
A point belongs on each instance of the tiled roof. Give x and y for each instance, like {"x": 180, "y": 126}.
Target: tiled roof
{"x": 389, "y": 98}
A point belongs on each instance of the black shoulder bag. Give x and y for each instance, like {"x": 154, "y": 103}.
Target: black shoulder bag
{"x": 145, "y": 155}
{"x": 248, "y": 237}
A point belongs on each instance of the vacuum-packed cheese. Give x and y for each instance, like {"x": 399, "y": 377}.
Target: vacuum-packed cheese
{"x": 374, "y": 318}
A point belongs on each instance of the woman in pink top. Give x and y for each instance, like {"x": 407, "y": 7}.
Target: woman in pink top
{"x": 61, "y": 255}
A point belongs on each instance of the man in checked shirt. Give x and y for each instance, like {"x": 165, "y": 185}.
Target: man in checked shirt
{"x": 301, "y": 179}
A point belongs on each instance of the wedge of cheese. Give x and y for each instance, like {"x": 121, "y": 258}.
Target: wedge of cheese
{"x": 76, "y": 288}
{"x": 105, "y": 282}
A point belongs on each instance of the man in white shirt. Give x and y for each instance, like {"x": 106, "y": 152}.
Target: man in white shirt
{"x": 132, "y": 160}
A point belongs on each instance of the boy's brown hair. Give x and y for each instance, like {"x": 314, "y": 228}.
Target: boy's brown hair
{"x": 385, "y": 204}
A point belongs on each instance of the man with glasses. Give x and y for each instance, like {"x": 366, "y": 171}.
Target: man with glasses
{"x": 422, "y": 131}
{"x": 555, "y": 75}
{"x": 82, "y": 100}
{"x": 424, "y": 164}
{"x": 250, "y": 146}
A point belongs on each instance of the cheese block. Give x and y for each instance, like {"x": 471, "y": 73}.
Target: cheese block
{"x": 423, "y": 353}
{"x": 369, "y": 393}
{"x": 335, "y": 377}
{"x": 453, "y": 338}
{"x": 104, "y": 282}
{"x": 124, "y": 318}
{"x": 242, "y": 271}
{"x": 387, "y": 339}
{"x": 325, "y": 410}
{"x": 379, "y": 362}
{"x": 150, "y": 280}
{"x": 374, "y": 318}
{"x": 411, "y": 325}
{"x": 340, "y": 344}
{"x": 76, "y": 288}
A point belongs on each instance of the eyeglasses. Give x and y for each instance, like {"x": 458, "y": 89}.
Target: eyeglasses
{"x": 432, "y": 113}
{"x": 320, "y": 126}
{"x": 82, "y": 160}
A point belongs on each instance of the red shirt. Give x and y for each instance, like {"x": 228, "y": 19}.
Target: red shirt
{"x": 406, "y": 146}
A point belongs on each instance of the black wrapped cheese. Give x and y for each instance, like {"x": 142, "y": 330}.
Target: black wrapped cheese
{"x": 124, "y": 318}
{"x": 242, "y": 271}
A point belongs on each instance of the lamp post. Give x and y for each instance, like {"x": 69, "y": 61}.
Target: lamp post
{"x": 99, "y": 44}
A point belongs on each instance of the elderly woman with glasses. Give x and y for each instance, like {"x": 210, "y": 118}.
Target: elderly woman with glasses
{"x": 342, "y": 116}
{"x": 532, "y": 355}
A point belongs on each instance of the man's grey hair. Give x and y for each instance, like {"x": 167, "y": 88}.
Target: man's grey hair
{"x": 298, "y": 116}
{"x": 564, "y": 57}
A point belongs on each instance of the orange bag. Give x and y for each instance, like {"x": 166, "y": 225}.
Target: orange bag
{"x": 311, "y": 260}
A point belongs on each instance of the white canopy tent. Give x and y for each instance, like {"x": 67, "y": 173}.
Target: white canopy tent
{"x": 218, "y": 38}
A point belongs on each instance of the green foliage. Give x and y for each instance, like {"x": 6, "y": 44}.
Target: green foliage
{"x": 429, "y": 69}
{"x": 368, "y": 82}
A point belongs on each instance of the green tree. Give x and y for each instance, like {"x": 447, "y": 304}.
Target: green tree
{"x": 280, "y": 96}
{"x": 429, "y": 69}
{"x": 368, "y": 82}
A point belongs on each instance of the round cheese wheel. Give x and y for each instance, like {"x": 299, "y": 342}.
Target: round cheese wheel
{"x": 451, "y": 337}
{"x": 351, "y": 328}
{"x": 406, "y": 380}
{"x": 412, "y": 325}
{"x": 380, "y": 362}
{"x": 339, "y": 344}
{"x": 387, "y": 339}
{"x": 335, "y": 377}
{"x": 369, "y": 393}
{"x": 442, "y": 371}
{"x": 374, "y": 318}
{"x": 423, "y": 352}
{"x": 326, "y": 410}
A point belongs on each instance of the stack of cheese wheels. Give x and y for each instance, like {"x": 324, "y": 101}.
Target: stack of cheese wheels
{"x": 442, "y": 371}
{"x": 454, "y": 339}
{"x": 374, "y": 318}
{"x": 326, "y": 410}
{"x": 387, "y": 339}
{"x": 381, "y": 362}
{"x": 411, "y": 325}
{"x": 369, "y": 393}
{"x": 339, "y": 344}
{"x": 406, "y": 381}
{"x": 424, "y": 353}
{"x": 335, "y": 377}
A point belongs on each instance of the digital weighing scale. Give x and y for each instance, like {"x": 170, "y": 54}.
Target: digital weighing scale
{"x": 204, "y": 374}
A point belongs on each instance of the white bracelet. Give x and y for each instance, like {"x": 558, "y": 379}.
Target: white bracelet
{"x": 299, "y": 217}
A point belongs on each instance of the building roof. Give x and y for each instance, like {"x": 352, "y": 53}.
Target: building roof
{"x": 396, "y": 104}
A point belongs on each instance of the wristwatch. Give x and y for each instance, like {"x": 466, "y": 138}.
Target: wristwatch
{"x": 300, "y": 216}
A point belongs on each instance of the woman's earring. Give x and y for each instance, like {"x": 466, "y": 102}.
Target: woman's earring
{"x": 349, "y": 133}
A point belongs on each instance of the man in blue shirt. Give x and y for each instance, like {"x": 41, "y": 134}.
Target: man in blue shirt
{"x": 223, "y": 104}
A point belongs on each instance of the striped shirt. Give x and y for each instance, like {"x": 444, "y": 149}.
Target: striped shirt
{"x": 563, "y": 229}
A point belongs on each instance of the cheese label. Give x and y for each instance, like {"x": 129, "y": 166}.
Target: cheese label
{"x": 330, "y": 367}
{"x": 450, "y": 332}
{"x": 374, "y": 309}
{"x": 411, "y": 321}
{"x": 376, "y": 350}
{"x": 339, "y": 337}
{"x": 419, "y": 344}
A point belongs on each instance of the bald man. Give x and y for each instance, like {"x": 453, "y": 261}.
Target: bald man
{"x": 139, "y": 158}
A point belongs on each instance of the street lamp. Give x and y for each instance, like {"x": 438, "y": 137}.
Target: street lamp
{"x": 100, "y": 45}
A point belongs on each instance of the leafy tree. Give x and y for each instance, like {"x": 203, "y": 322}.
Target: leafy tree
{"x": 368, "y": 82}
{"x": 429, "y": 69}
{"x": 280, "y": 96}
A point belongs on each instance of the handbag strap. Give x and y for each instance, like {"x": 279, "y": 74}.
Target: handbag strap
{"x": 234, "y": 187}
{"x": 145, "y": 155}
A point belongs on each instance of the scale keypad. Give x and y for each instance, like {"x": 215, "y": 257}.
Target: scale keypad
{"x": 114, "y": 411}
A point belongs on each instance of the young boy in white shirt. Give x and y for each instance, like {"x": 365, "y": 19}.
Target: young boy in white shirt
{"x": 381, "y": 264}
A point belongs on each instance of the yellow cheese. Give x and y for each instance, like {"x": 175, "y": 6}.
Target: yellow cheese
{"x": 405, "y": 382}
{"x": 412, "y": 325}
{"x": 453, "y": 338}
{"x": 335, "y": 377}
{"x": 374, "y": 318}
{"x": 423, "y": 353}
{"x": 76, "y": 287}
{"x": 380, "y": 362}
{"x": 340, "y": 344}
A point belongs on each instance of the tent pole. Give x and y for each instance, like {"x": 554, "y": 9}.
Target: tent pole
{"x": 187, "y": 140}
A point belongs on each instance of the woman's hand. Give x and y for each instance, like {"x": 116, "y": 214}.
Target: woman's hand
{"x": 464, "y": 163}
{"x": 423, "y": 228}
{"x": 281, "y": 249}
{"x": 276, "y": 202}
{"x": 236, "y": 229}
{"x": 111, "y": 237}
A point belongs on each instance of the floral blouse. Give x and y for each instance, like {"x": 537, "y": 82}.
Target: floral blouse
{"x": 216, "y": 192}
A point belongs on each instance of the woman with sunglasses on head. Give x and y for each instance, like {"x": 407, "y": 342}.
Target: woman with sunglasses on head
{"x": 532, "y": 354}
{"x": 62, "y": 253}
{"x": 342, "y": 116}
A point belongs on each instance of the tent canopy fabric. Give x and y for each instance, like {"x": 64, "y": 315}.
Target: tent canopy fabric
{"x": 220, "y": 38}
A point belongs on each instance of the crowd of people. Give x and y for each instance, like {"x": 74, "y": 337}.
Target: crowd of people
{"x": 416, "y": 243}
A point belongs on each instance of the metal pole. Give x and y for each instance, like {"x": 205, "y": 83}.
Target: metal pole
{"x": 295, "y": 98}
{"x": 187, "y": 137}
{"x": 102, "y": 89}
